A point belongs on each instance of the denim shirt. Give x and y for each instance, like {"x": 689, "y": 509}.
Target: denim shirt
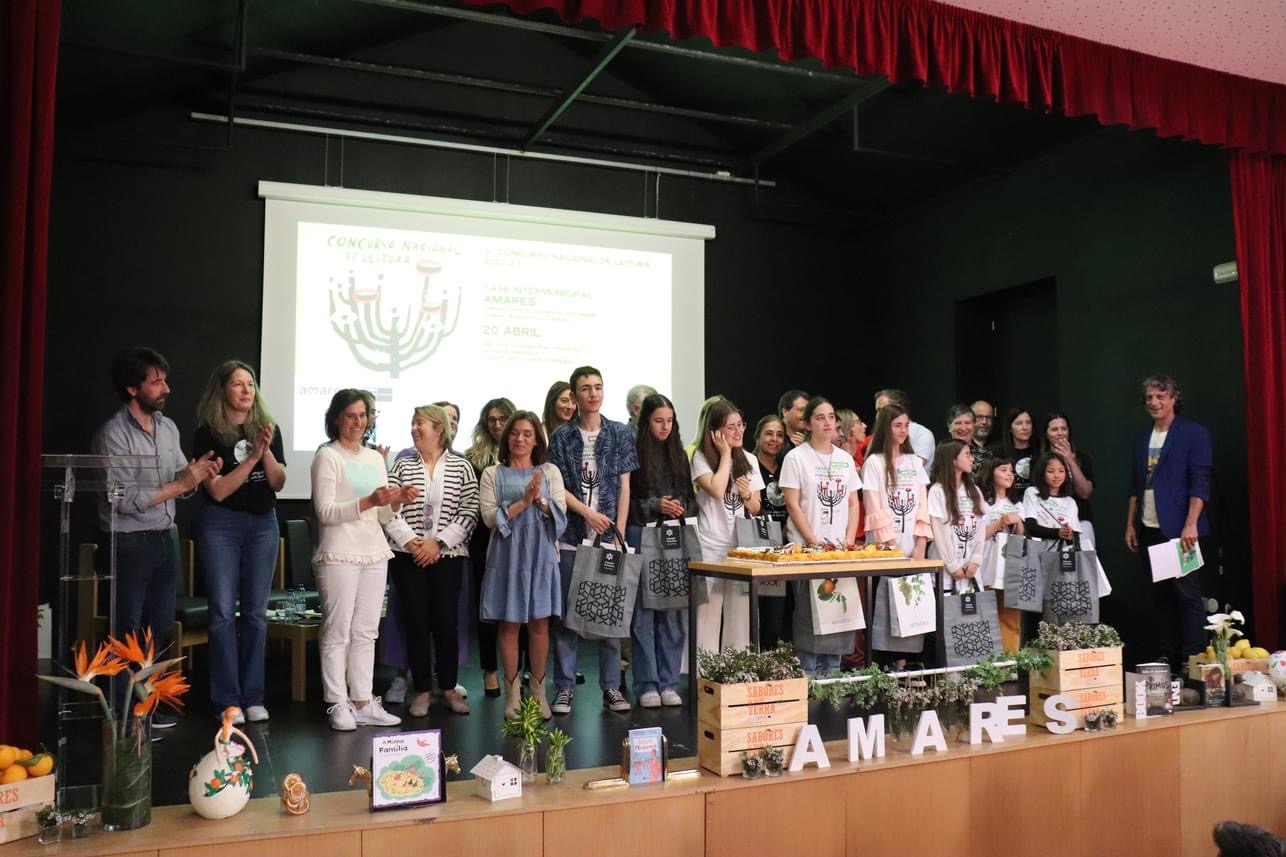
{"x": 614, "y": 456}
{"x": 122, "y": 435}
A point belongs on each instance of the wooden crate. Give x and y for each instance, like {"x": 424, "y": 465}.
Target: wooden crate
{"x": 1083, "y": 701}
{"x": 1237, "y": 665}
{"x": 1080, "y": 669}
{"x": 18, "y": 824}
{"x": 19, "y": 803}
{"x": 719, "y": 750}
{"x": 763, "y": 703}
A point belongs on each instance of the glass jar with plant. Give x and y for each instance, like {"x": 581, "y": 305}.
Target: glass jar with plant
{"x": 1221, "y": 633}
{"x": 556, "y": 756}
{"x": 752, "y": 765}
{"x": 127, "y": 738}
{"x": 773, "y": 761}
{"x": 528, "y": 729}
{"x": 50, "y": 822}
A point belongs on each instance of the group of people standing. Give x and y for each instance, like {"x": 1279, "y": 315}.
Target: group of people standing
{"x": 509, "y": 512}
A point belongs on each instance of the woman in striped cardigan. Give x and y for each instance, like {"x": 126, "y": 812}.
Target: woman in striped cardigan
{"x": 430, "y": 540}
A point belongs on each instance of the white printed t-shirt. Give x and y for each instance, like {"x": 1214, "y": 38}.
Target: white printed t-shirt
{"x": 824, "y": 481}
{"x": 716, "y": 517}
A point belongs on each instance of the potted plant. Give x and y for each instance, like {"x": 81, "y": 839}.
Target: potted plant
{"x": 528, "y": 729}
{"x": 774, "y": 761}
{"x": 1085, "y": 664}
{"x": 556, "y": 756}
{"x": 50, "y": 822}
{"x": 747, "y": 700}
{"x": 127, "y": 740}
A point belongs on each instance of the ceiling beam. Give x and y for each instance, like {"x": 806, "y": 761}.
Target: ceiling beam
{"x": 455, "y": 79}
{"x": 503, "y": 20}
{"x": 604, "y": 56}
{"x": 817, "y": 122}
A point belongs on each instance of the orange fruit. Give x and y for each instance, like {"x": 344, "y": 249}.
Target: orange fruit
{"x": 23, "y": 754}
{"x": 8, "y": 755}
{"x": 38, "y": 766}
{"x": 13, "y": 774}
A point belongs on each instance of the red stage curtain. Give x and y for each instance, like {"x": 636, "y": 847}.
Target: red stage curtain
{"x": 1259, "y": 212}
{"x": 970, "y": 53}
{"x": 29, "y": 60}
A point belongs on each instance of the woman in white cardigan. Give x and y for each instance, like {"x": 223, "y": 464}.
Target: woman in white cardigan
{"x": 352, "y": 499}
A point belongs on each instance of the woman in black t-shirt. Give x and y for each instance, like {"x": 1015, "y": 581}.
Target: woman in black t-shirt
{"x": 237, "y": 533}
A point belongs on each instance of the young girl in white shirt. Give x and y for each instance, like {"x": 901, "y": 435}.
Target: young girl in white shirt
{"x": 1002, "y": 514}
{"x": 955, "y": 508}
{"x": 821, "y": 486}
{"x": 729, "y": 483}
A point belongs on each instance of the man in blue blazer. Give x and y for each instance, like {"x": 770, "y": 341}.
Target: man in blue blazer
{"x": 1170, "y": 487}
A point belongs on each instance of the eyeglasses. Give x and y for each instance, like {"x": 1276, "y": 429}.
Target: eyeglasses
{"x": 497, "y": 421}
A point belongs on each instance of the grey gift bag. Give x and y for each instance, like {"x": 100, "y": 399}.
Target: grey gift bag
{"x": 882, "y": 637}
{"x": 761, "y": 532}
{"x": 666, "y": 550}
{"x": 604, "y": 584}
{"x": 1071, "y": 584}
{"x": 1024, "y": 579}
{"x": 970, "y": 627}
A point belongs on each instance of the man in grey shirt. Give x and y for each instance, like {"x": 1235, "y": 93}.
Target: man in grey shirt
{"x": 147, "y": 543}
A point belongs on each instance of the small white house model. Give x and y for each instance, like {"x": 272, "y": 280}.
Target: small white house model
{"x": 497, "y": 779}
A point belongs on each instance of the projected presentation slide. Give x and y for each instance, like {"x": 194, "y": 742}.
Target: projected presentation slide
{"x": 416, "y": 317}
{"x": 424, "y": 299}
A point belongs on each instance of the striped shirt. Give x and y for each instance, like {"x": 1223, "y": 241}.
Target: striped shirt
{"x": 447, "y": 508}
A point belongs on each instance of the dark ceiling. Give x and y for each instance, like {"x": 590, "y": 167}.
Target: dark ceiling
{"x": 858, "y": 150}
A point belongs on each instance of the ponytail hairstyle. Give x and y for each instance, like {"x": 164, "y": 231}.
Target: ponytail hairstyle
{"x": 882, "y": 441}
{"x": 944, "y": 474}
{"x": 719, "y": 413}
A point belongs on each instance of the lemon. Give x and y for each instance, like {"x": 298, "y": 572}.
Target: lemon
{"x": 1257, "y": 653}
{"x": 1243, "y": 643}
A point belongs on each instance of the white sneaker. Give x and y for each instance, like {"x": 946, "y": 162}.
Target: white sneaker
{"x": 396, "y": 693}
{"x": 670, "y": 698}
{"x": 374, "y": 715}
{"x": 256, "y": 714}
{"x": 341, "y": 717}
{"x": 650, "y": 699}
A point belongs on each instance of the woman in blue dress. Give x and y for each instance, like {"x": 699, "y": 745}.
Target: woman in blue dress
{"x": 522, "y": 501}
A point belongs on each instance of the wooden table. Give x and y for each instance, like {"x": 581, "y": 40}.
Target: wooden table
{"x": 299, "y": 635}
{"x": 755, "y": 573}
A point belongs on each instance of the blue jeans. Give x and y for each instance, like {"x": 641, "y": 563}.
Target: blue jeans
{"x": 658, "y": 637}
{"x": 816, "y": 664}
{"x": 146, "y": 585}
{"x": 565, "y": 642}
{"x": 238, "y": 557}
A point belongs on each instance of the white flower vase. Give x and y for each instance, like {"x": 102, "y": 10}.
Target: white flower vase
{"x": 220, "y": 784}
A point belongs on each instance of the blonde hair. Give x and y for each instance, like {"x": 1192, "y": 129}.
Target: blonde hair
{"x": 212, "y": 409}
{"x": 438, "y": 415}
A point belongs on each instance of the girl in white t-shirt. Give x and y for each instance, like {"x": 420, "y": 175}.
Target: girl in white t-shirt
{"x": 1002, "y": 514}
{"x": 897, "y": 512}
{"x": 821, "y": 486}
{"x": 895, "y": 498}
{"x": 1050, "y": 512}
{"x": 955, "y": 509}
{"x": 729, "y": 484}
{"x": 1049, "y": 509}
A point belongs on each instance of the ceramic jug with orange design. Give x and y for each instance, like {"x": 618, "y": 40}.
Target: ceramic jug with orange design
{"x": 220, "y": 784}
